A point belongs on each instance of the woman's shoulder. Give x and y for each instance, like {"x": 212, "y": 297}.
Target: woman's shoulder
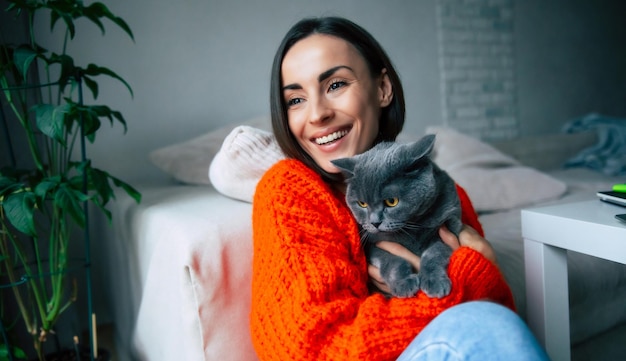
{"x": 291, "y": 172}
{"x": 288, "y": 166}
{"x": 288, "y": 176}
{"x": 290, "y": 182}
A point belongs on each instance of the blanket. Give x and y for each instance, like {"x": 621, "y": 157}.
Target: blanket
{"x": 609, "y": 154}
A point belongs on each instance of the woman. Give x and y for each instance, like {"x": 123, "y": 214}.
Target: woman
{"x": 334, "y": 94}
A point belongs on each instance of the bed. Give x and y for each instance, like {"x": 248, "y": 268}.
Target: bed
{"x": 179, "y": 263}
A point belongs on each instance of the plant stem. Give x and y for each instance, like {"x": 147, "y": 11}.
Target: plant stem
{"x": 30, "y": 136}
{"x": 13, "y": 278}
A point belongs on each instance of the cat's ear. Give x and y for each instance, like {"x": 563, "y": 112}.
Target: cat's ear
{"x": 423, "y": 147}
{"x": 345, "y": 165}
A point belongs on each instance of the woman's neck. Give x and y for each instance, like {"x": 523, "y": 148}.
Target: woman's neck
{"x": 340, "y": 188}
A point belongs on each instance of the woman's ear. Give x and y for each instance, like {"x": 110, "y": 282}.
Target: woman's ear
{"x": 385, "y": 89}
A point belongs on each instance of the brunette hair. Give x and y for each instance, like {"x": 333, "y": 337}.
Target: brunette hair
{"x": 392, "y": 116}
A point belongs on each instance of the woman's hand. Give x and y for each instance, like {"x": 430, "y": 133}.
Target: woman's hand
{"x": 398, "y": 250}
{"x": 468, "y": 237}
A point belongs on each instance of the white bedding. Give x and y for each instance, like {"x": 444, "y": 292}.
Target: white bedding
{"x": 179, "y": 281}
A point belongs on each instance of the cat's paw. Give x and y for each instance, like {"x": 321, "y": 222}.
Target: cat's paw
{"x": 406, "y": 287}
{"x": 436, "y": 285}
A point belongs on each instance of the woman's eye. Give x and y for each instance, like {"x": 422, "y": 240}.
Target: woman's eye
{"x": 294, "y": 101}
{"x": 361, "y": 204}
{"x": 392, "y": 202}
{"x": 336, "y": 85}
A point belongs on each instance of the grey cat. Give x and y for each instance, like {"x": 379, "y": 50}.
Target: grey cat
{"x": 397, "y": 193}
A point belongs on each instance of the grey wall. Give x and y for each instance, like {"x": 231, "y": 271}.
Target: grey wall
{"x": 13, "y": 148}
{"x": 197, "y": 65}
{"x": 571, "y": 60}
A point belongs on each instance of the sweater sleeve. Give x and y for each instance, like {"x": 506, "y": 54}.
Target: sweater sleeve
{"x": 310, "y": 299}
{"x": 468, "y": 214}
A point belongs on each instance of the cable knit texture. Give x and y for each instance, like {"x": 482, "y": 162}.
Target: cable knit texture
{"x": 310, "y": 299}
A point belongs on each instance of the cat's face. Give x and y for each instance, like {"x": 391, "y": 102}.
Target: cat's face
{"x": 391, "y": 185}
{"x": 394, "y": 203}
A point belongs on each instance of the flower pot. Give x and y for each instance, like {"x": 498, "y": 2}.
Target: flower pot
{"x": 85, "y": 355}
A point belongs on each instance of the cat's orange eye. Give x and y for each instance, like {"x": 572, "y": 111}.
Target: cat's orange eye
{"x": 391, "y": 202}
{"x": 361, "y": 204}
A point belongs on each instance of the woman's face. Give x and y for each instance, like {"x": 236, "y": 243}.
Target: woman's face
{"x": 333, "y": 103}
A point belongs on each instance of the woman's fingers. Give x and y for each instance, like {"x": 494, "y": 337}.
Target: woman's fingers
{"x": 469, "y": 237}
{"x": 449, "y": 238}
{"x": 400, "y": 251}
{"x": 377, "y": 280}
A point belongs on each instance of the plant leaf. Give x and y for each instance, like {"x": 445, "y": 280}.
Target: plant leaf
{"x": 98, "y": 10}
{"x": 99, "y": 181}
{"x": 23, "y": 56}
{"x": 70, "y": 200}
{"x": 8, "y": 185}
{"x": 128, "y": 188}
{"x": 68, "y": 69}
{"x": 92, "y": 13}
{"x": 87, "y": 119}
{"x": 19, "y": 5}
{"x": 51, "y": 120}
{"x": 46, "y": 186}
{"x": 92, "y": 85}
{"x": 66, "y": 10}
{"x": 105, "y": 111}
{"x": 93, "y": 70}
{"x": 17, "y": 352}
{"x": 19, "y": 209}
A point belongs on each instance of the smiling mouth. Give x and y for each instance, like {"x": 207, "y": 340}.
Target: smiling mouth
{"x": 331, "y": 137}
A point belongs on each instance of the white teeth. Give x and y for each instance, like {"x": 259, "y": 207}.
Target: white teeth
{"x": 331, "y": 137}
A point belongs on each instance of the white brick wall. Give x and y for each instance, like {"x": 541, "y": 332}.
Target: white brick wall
{"x": 476, "y": 52}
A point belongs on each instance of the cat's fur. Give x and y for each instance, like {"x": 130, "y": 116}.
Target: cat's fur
{"x": 426, "y": 199}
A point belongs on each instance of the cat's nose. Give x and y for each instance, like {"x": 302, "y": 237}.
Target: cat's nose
{"x": 376, "y": 224}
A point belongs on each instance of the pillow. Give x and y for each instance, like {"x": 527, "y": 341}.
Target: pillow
{"x": 242, "y": 160}
{"x": 493, "y": 180}
{"x": 188, "y": 161}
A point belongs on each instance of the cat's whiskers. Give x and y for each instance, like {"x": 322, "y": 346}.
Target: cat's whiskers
{"x": 364, "y": 235}
{"x": 414, "y": 225}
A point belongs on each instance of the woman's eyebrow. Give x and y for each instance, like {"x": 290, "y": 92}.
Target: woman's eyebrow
{"x": 323, "y": 76}
{"x": 328, "y": 73}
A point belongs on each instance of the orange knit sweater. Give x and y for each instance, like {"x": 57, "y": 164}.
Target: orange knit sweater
{"x": 310, "y": 299}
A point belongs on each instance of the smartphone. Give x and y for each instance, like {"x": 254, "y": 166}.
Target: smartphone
{"x": 618, "y": 198}
{"x": 621, "y": 217}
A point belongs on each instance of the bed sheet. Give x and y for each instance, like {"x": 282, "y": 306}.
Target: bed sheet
{"x": 180, "y": 266}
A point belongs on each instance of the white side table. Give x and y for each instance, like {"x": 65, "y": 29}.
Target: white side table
{"x": 587, "y": 227}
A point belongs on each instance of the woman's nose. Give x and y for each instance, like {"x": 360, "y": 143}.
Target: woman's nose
{"x": 320, "y": 111}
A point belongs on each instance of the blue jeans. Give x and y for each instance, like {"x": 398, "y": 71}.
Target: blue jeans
{"x": 478, "y": 331}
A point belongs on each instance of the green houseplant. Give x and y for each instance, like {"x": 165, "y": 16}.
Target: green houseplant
{"x": 43, "y": 203}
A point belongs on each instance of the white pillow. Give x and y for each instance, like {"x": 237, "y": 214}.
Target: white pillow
{"x": 247, "y": 153}
{"x": 493, "y": 180}
{"x": 188, "y": 161}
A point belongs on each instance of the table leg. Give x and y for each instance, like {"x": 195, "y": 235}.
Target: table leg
{"x": 547, "y": 299}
